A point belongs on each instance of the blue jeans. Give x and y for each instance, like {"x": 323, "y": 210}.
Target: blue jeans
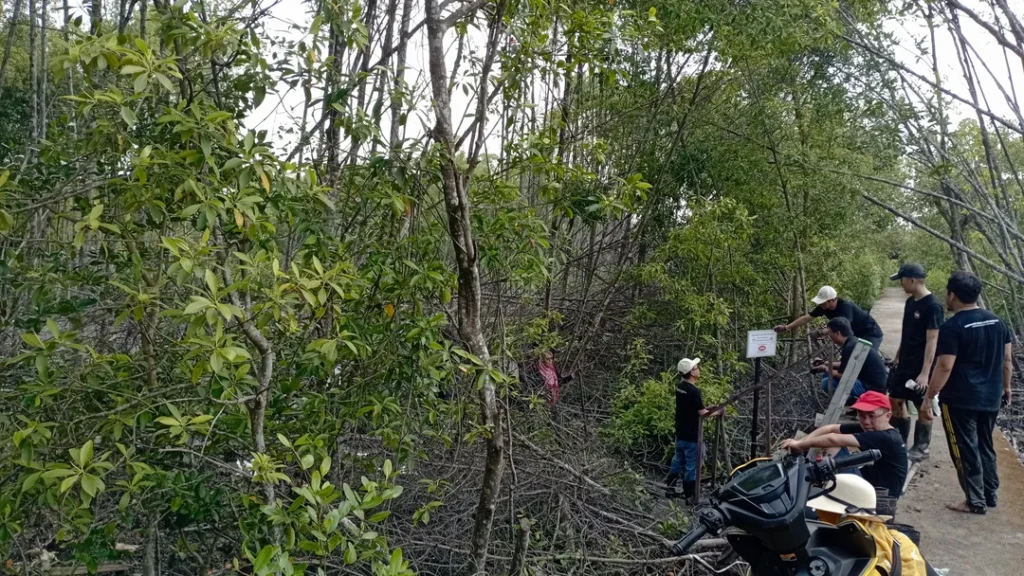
{"x": 858, "y": 388}
{"x": 685, "y": 457}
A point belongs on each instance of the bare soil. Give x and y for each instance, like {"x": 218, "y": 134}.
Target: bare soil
{"x": 967, "y": 544}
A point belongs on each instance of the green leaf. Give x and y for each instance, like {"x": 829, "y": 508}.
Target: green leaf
{"x": 380, "y": 516}
{"x": 165, "y": 81}
{"x": 349, "y": 494}
{"x": 234, "y": 353}
{"x": 197, "y": 305}
{"x": 168, "y": 421}
{"x": 216, "y": 362}
{"x": 58, "y": 473}
{"x": 52, "y": 328}
{"x": 32, "y": 339}
{"x": 211, "y": 281}
{"x": 85, "y": 454}
{"x": 132, "y": 69}
{"x": 30, "y": 481}
{"x": 306, "y": 461}
{"x": 92, "y": 485}
{"x": 141, "y": 83}
{"x": 126, "y": 499}
{"x": 129, "y": 116}
{"x": 263, "y": 559}
{"x": 201, "y": 419}
{"x": 283, "y": 440}
{"x": 68, "y": 483}
{"x": 350, "y": 554}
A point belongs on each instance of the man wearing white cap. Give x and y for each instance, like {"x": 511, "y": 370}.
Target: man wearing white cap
{"x": 831, "y": 306}
{"x": 689, "y": 408}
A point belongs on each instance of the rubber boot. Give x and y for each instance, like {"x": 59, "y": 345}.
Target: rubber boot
{"x": 671, "y": 482}
{"x": 689, "y": 489}
{"x": 903, "y": 425}
{"x": 922, "y": 440}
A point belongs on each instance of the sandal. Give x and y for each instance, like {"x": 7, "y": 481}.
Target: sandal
{"x": 966, "y": 508}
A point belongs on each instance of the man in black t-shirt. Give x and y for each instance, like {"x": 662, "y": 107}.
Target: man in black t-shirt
{"x": 971, "y": 378}
{"x": 922, "y": 316}
{"x": 829, "y": 305}
{"x": 872, "y": 431}
{"x": 689, "y": 409}
{"x": 873, "y": 374}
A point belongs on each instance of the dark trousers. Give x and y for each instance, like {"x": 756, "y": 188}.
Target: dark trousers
{"x": 876, "y": 342}
{"x": 969, "y": 433}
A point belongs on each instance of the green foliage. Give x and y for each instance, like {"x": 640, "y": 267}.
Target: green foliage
{"x": 643, "y": 410}
{"x": 177, "y": 292}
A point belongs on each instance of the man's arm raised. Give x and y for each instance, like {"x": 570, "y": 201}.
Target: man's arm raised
{"x": 794, "y": 324}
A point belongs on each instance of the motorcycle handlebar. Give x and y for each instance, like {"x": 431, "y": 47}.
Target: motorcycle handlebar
{"x": 857, "y": 460}
{"x": 684, "y": 543}
{"x": 714, "y": 519}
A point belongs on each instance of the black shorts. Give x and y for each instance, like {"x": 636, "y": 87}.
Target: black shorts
{"x": 898, "y": 389}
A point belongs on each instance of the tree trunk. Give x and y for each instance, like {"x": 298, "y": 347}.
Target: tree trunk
{"x": 380, "y": 82}
{"x": 11, "y": 28}
{"x": 43, "y": 23}
{"x": 332, "y": 131}
{"x": 518, "y": 562}
{"x": 149, "y": 567}
{"x": 460, "y": 229}
{"x": 33, "y": 75}
{"x": 364, "y": 67}
{"x": 96, "y": 17}
{"x": 397, "y": 104}
{"x": 143, "y": 13}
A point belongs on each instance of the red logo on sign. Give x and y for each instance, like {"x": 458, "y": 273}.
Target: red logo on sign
{"x": 762, "y": 348}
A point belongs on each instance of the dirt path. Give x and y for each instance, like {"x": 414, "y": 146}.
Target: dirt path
{"x": 968, "y": 545}
{"x": 888, "y": 312}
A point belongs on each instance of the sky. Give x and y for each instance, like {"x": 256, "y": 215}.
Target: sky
{"x": 291, "y": 18}
{"x": 912, "y": 31}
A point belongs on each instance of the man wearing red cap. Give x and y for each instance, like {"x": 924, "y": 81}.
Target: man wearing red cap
{"x": 872, "y": 431}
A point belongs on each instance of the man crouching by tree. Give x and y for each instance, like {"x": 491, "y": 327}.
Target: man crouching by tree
{"x": 872, "y": 431}
{"x": 689, "y": 409}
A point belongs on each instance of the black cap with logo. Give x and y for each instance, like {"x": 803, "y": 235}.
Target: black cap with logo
{"x": 910, "y": 270}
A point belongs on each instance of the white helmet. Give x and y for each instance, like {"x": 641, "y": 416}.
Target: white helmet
{"x": 852, "y": 496}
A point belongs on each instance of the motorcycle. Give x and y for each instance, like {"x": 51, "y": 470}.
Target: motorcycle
{"x": 763, "y": 505}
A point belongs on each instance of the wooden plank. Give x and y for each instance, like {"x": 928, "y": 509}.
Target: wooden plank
{"x": 838, "y": 402}
{"x": 842, "y": 392}
{"x": 910, "y": 476}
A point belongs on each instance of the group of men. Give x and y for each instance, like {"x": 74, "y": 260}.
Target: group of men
{"x": 965, "y": 362}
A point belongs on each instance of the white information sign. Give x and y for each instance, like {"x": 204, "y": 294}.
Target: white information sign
{"x": 761, "y": 343}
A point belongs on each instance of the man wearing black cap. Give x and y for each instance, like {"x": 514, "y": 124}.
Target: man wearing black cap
{"x": 922, "y": 316}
